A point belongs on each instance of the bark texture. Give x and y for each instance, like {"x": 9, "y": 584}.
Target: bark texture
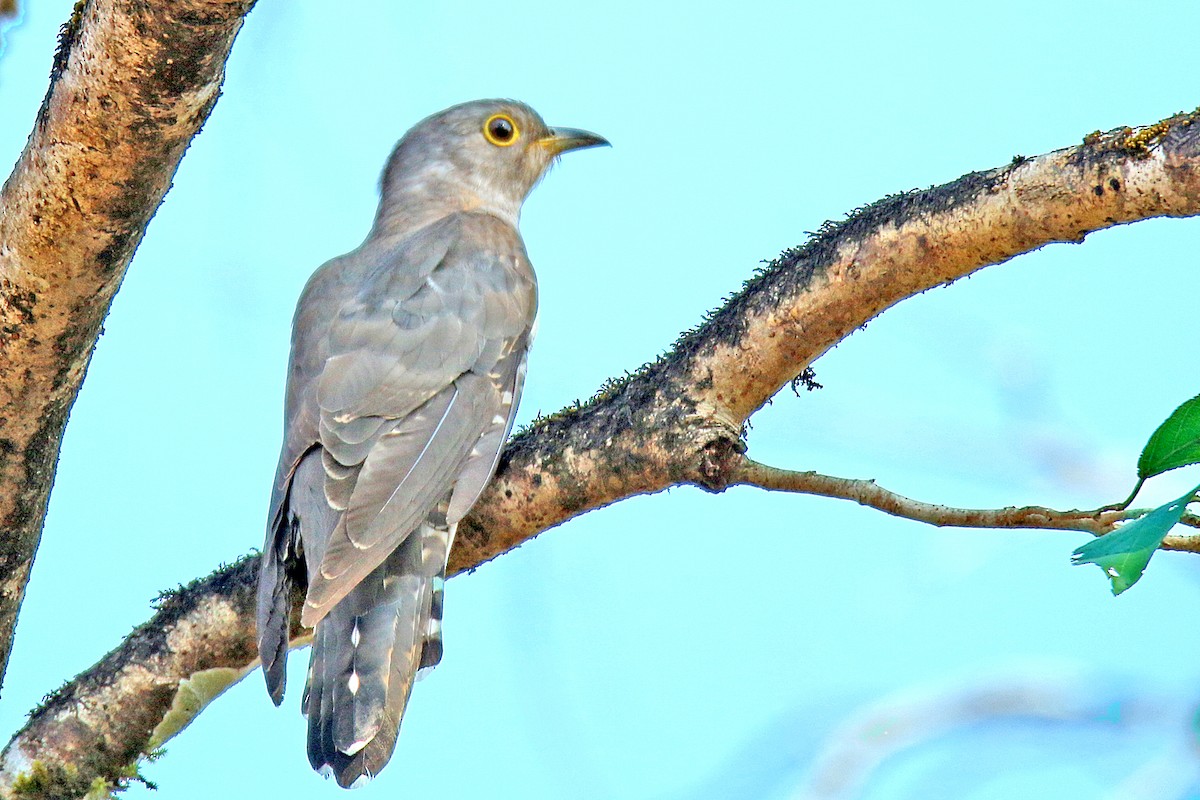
{"x": 131, "y": 85}
{"x": 676, "y": 421}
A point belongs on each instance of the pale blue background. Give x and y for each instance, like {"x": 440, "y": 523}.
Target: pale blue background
{"x": 684, "y": 645}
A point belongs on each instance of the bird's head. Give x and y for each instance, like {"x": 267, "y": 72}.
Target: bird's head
{"x": 486, "y": 155}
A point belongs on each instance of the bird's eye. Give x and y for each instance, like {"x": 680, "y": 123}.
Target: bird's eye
{"x": 500, "y": 130}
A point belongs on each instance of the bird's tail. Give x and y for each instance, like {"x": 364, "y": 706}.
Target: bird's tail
{"x": 366, "y": 654}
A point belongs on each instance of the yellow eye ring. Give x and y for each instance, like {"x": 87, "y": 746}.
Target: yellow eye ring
{"x": 500, "y": 130}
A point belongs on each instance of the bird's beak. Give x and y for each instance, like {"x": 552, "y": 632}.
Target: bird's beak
{"x": 561, "y": 140}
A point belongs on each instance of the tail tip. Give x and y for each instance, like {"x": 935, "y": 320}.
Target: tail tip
{"x": 346, "y": 780}
{"x": 360, "y": 781}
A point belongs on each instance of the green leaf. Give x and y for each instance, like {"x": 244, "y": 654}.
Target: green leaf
{"x": 1176, "y": 443}
{"x": 1124, "y": 553}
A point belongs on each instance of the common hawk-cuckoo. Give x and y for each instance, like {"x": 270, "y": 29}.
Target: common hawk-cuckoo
{"x": 407, "y": 360}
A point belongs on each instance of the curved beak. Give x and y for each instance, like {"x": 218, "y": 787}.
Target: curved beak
{"x": 561, "y": 140}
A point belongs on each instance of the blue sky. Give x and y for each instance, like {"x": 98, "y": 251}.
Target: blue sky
{"x": 682, "y": 645}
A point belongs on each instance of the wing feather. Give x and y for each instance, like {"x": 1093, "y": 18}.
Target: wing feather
{"x": 417, "y": 393}
{"x": 405, "y": 475}
{"x": 481, "y": 463}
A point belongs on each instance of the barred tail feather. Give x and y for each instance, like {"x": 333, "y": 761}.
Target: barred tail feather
{"x": 437, "y": 538}
{"x": 366, "y": 654}
{"x": 431, "y": 650}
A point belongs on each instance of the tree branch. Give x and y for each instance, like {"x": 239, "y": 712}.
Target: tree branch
{"x": 679, "y": 419}
{"x": 131, "y": 85}
{"x": 676, "y": 421}
{"x": 868, "y": 493}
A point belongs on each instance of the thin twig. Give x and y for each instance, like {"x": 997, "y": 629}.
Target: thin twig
{"x": 868, "y": 493}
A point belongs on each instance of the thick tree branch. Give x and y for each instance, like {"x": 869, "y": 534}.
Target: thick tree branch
{"x": 676, "y": 421}
{"x": 679, "y": 419}
{"x": 132, "y": 84}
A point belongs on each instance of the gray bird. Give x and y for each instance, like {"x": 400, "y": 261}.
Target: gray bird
{"x": 408, "y": 356}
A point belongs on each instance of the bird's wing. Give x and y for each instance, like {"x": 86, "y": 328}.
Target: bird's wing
{"x": 422, "y": 362}
{"x": 301, "y": 517}
{"x": 296, "y": 500}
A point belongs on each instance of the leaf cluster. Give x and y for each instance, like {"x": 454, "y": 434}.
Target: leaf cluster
{"x": 1124, "y": 553}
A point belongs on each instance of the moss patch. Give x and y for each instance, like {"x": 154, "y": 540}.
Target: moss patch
{"x": 53, "y": 781}
{"x": 194, "y": 693}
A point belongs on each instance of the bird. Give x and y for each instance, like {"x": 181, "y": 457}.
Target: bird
{"x": 407, "y": 362}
